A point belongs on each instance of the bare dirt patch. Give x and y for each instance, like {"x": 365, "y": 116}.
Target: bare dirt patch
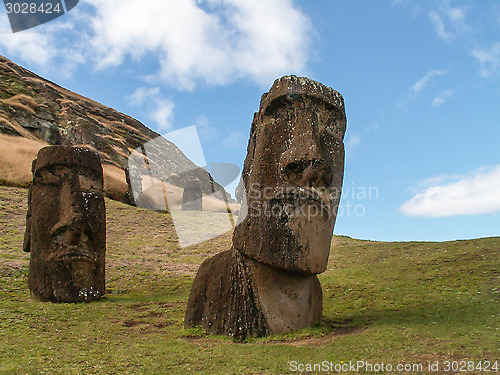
{"x": 318, "y": 341}
{"x": 324, "y": 340}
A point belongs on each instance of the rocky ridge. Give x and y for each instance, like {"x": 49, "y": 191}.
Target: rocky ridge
{"x": 35, "y": 112}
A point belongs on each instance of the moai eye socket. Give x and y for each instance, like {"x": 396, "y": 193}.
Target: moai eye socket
{"x": 90, "y": 183}
{"x": 46, "y": 177}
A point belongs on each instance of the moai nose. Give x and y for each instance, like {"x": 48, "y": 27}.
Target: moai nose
{"x": 303, "y": 165}
{"x": 72, "y": 227}
{"x": 70, "y": 236}
{"x": 308, "y": 173}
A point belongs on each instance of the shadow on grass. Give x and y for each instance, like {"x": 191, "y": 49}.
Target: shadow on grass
{"x": 433, "y": 313}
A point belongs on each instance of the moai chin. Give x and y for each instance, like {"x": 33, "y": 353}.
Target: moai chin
{"x": 66, "y": 226}
{"x": 292, "y": 178}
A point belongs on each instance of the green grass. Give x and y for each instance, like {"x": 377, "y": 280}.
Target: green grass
{"x": 414, "y": 302}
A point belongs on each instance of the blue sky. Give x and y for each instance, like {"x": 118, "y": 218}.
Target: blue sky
{"x": 421, "y": 82}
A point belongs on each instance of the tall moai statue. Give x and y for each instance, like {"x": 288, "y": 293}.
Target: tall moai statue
{"x": 292, "y": 176}
{"x": 66, "y": 226}
{"x": 192, "y": 197}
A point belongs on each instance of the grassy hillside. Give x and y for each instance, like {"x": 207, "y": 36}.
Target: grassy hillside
{"x": 408, "y": 303}
{"x": 35, "y": 112}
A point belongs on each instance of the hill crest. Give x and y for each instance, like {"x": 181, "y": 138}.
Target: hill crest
{"x": 35, "y": 112}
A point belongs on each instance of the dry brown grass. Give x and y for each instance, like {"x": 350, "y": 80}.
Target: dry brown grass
{"x": 211, "y": 203}
{"x": 158, "y": 195}
{"x": 120, "y": 152}
{"x": 115, "y": 184}
{"x": 72, "y": 95}
{"x": 16, "y": 155}
{"x": 121, "y": 125}
{"x": 11, "y": 123}
{"x": 6, "y": 123}
{"x": 22, "y": 102}
{"x": 154, "y": 191}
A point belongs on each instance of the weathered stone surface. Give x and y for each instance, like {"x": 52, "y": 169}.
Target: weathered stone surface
{"x": 292, "y": 179}
{"x": 192, "y": 196}
{"x": 66, "y": 226}
{"x": 235, "y": 295}
{"x": 222, "y": 299}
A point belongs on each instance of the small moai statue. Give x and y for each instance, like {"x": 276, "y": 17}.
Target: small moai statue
{"x": 192, "y": 196}
{"x": 66, "y": 226}
{"x": 292, "y": 178}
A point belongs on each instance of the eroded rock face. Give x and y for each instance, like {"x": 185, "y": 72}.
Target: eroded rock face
{"x": 66, "y": 226}
{"x": 192, "y": 196}
{"x": 35, "y": 111}
{"x": 292, "y": 179}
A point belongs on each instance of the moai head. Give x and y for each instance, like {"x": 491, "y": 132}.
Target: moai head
{"x": 192, "y": 196}
{"x": 66, "y": 226}
{"x": 293, "y": 176}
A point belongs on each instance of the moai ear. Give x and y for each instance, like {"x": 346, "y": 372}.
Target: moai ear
{"x": 27, "y": 237}
{"x": 27, "y": 232}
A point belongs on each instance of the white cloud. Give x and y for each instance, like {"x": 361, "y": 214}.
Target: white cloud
{"x": 374, "y": 126}
{"x": 161, "y": 110}
{"x": 456, "y": 14}
{"x": 433, "y": 181}
{"x": 51, "y": 46}
{"x": 204, "y": 128}
{"x": 233, "y": 139}
{"x": 442, "y": 97}
{"x": 353, "y": 140}
{"x": 440, "y": 27}
{"x": 193, "y": 41}
{"x": 141, "y": 94}
{"x": 419, "y": 86}
{"x": 449, "y": 22}
{"x": 478, "y": 193}
{"x": 489, "y": 59}
{"x": 429, "y": 76}
{"x": 30, "y": 46}
{"x": 356, "y": 138}
{"x": 163, "y": 114}
{"x": 412, "y": 6}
